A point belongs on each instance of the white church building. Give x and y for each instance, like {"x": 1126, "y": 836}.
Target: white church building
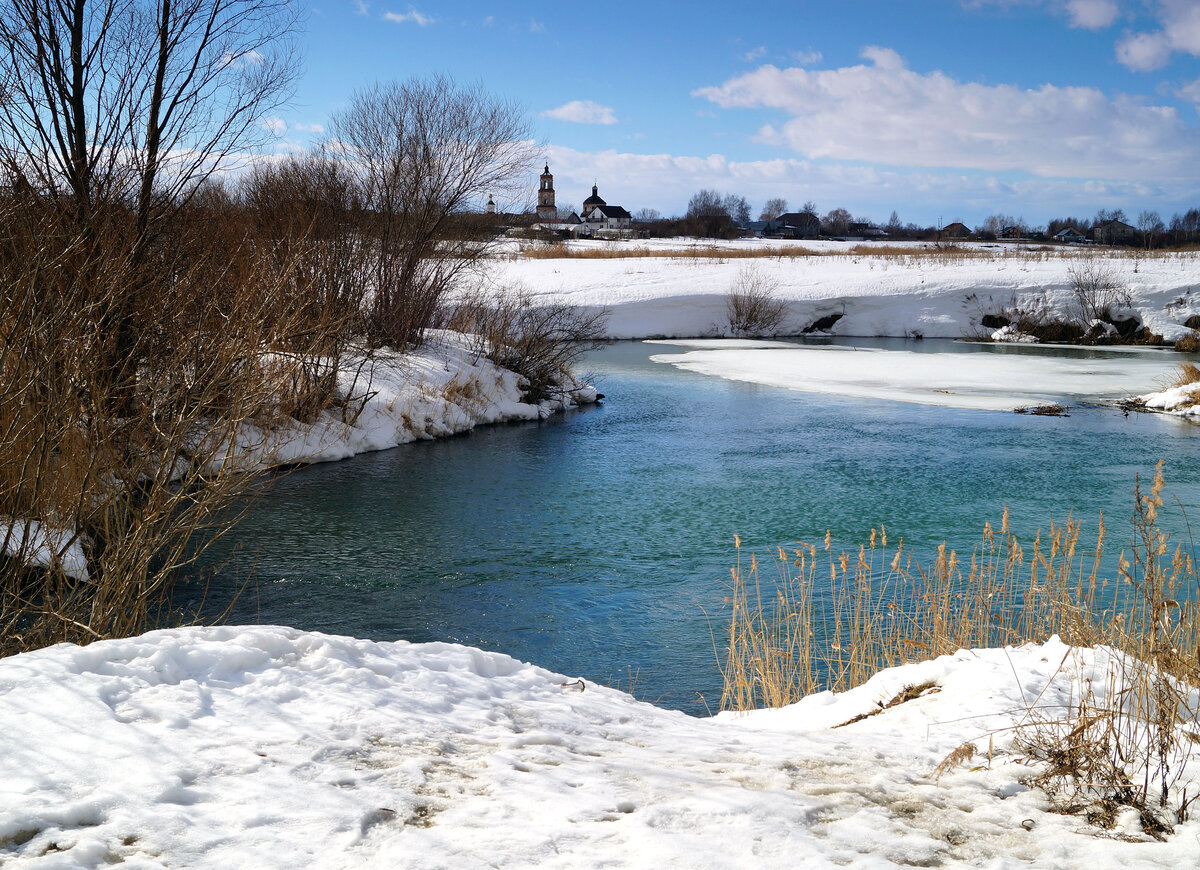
{"x": 599, "y": 219}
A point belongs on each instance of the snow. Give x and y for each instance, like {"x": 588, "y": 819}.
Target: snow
{"x": 1000, "y": 381}
{"x": 887, "y": 294}
{"x": 42, "y": 545}
{"x": 443, "y": 388}
{"x": 1180, "y": 401}
{"x": 264, "y": 746}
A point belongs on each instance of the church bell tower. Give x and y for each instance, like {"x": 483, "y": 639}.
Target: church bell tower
{"x": 546, "y": 210}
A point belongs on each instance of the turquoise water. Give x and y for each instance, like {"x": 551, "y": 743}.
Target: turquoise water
{"x": 594, "y": 543}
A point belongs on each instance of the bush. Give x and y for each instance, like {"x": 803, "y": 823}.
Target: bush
{"x": 540, "y": 342}
{"x": 1097, "y": 290}
{"x": 751, "y": 305}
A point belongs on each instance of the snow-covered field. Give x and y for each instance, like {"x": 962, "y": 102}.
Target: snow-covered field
{"x": 268, "y": 747}
{"x": 877, "y": 295}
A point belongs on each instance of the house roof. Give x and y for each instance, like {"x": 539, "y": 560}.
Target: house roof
{"x": 798, "y": 219}
{"x": 611, "y": 211}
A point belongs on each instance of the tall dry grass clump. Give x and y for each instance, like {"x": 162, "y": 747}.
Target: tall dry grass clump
{"x": 829, "y": 619}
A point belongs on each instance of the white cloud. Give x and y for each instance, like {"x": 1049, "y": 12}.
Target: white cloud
{"x": 666, "y": 182}
{"x": 1143, "y": 52}
{"x": 754, "y": 54}
{"x": 412, "y": 15}
{"x": 1092, "y": 14}
{"x": 361, "y": 7}
{"x": 277, "y": 126}
{"x": 536, "y": 26}
{"x": 582, "y": 112}
{"x": 1190, "y": 92}
{"x": 885, "y": 113}
{"x": 309, "y": 128}
{"x": 807, "y": 57}
{"x": 1180, "y": 20}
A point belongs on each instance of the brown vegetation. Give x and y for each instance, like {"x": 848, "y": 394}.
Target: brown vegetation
{"x": 830, "y": 620}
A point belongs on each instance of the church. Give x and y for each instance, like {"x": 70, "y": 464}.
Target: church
{"x": 599, "y": 218}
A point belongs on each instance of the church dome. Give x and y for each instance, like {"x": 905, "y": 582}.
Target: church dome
{"x": 593, "y": 200}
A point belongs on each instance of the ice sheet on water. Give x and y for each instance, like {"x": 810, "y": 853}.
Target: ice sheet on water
{"x": 998, "y": 381}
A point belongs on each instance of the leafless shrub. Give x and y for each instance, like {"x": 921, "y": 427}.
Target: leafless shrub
{"x": 131, "y": 474}
{"x": 542, "y": 342}
{"x": 1097, "y": 289}
{"x": 751, "y": 305}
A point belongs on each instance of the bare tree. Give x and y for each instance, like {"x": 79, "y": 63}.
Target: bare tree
{"x": 1150, "y": 225}
{"x": 775, "y": 206}
{"x": 647, "y": 215}
{"x": 706, "y": 204}
{"x": 424, "y": 151}
{"x": 137, "y": 101}
{"x": 736, "y": 207}
{"x": 837, "y": 222}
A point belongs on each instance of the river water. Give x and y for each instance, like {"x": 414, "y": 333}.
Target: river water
{"x": 596, "y": 543}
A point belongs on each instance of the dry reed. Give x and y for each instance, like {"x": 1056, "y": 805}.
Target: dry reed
{"x": 830, "y": 619}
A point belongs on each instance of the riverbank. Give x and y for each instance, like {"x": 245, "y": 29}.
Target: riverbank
{"x": 267, "y": 746}
{"x": 445, "y": 387}
{"x": 904, "y": 290}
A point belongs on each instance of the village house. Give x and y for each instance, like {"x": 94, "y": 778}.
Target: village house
{"x": 1070, "y": 236}
{"x": 956, "y": 230}
{"x": 1114, "y": 232}
{"x": 794, "y": 225}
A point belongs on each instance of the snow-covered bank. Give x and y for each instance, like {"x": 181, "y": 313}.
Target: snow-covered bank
{"x": 270, "y": 747}
{"x": 940, "y": 296}
{"x": 1182, "y": 400}
{"x": 1001, "y": 381}
{"x": 443, "y": 388}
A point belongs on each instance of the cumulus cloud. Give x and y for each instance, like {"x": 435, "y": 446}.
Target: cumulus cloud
{"x": 666, "y": 182}
{"x": 1092, "y": 14}
{"x": 885, "y": 113}
{"x": 1180, "y": 33}
{"x": 412, "y": 15}
{"x": 582, "y": 112}
{"x": 277, "y": 126}
{"x": 808, "y": 57}
{"x": 754, "y": 54}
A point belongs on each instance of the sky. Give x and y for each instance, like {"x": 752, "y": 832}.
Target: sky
{"x": 940, "y": 110}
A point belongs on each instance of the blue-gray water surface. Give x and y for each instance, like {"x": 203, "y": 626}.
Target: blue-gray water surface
{"x": 597, "y": 543}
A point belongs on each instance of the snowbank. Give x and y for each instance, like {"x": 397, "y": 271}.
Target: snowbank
{"x": 943, "y": 296}
{"x": 1181, "y": 401}
{"x": 270, "y": 747}
{"x": 443, "y": 388}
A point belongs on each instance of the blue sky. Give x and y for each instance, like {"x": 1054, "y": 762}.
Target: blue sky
{"x": 940, "y": 109}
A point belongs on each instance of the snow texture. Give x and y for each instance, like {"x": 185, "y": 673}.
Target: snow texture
{"x": 876, "y": 295}
{"x": 265, "y": 747}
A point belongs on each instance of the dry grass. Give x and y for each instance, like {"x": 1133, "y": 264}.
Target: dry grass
{"x": 1186, "y": 373}
{"x": 917, "y": 254}
{"x": 830, "y": 620}
{"x": 561, "y": 251}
